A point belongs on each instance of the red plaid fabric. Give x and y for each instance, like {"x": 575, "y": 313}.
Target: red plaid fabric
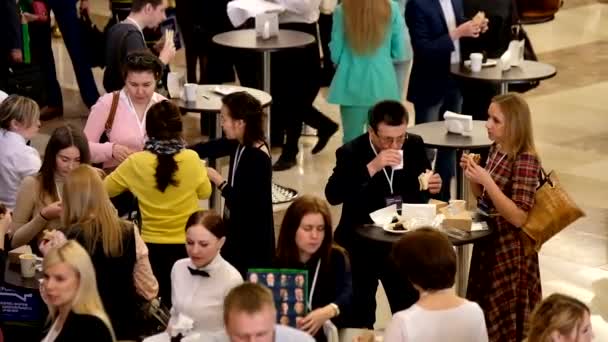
{"x": 502, "y": 280}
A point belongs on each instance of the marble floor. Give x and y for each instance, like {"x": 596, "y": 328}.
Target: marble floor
{"x": 570, "y": 118}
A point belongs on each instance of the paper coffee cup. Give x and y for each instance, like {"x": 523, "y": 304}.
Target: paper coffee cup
{"x": 400, "y": 165}
{"x": 28, "y": 265}
{"x": 190, "y": 90}
{"x": 476, "y": 61}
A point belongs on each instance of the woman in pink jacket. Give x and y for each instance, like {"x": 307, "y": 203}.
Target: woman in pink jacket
{"x": 125, "y": 131}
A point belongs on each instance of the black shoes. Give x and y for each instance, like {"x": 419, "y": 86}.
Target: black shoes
{"x": 324, "y": 136}
{"x": 284, "y": 163}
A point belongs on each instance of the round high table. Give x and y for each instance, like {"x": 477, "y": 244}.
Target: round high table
{"x": 460, "y": 239}
{"x": 209, "y": 102}
{"x": 527, "y": 71}
{"x": 247, "y": 40}
{"x": 24, "y": 310}
{"x": 436, "y": 135}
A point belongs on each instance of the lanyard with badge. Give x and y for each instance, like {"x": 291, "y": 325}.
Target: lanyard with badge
{"x": 314, "y": 284}
{"x": 483, "y": 207}
{"x": 235, "y": 165}
{"x": 237, "y": 160}
{"x": 392, "y": 199}
{"x": 140, "y": 123}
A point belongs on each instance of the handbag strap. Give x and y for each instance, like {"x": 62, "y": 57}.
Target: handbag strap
{"x": 110, "y": 120}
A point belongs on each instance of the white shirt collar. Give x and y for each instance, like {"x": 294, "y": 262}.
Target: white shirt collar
{"x": 211, "y": 266}
{"x": 13, "y": 136}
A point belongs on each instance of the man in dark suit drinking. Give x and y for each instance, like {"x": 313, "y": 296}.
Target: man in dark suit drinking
{"x": 436, "y": 29}
{"x": 375, "y": 170}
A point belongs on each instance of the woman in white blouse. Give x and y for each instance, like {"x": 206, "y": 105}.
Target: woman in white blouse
{"x": 19, "y": 122}
{"x": 200, "y": 282}
{"x": 426, "y": 257}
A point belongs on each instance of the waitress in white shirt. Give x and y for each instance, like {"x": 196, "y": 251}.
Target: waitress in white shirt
{"x": 200, "y": 282}
{"x": 19, "y": 122}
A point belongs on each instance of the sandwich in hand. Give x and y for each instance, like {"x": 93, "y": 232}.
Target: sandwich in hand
{"x": 169, "y": 34}
{"x": 479, "y": 18}
{"x": 424, "y": 178}
{"x": 474, "y": 157}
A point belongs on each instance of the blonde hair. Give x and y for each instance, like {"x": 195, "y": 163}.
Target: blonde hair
{"x": 519, "y": 137}
{"x": 86, "y": 204}
{"x": 249, "y": 298}
{"x": 366, "y": 23}
{"x": 559, "y": 313}
{"x": 19, "y": 108}
{"x": 87, "y": 300}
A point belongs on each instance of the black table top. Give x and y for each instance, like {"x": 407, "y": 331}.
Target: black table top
{"x": 246, "y": 39}
{"x": 527, "y": 71}
{"x": 435, "y": 135}
{"x": 377, "y": 234}
{"x": 208, "y": 101}
{"x": 12, "y": 276}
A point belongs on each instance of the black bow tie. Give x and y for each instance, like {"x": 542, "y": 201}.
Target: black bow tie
{"x": 201, "y": 273}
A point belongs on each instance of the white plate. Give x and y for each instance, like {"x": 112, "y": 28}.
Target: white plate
{"x": 488, "y": 63}
{"x": 386, "y": 229}
{"x": 225, "y": 90}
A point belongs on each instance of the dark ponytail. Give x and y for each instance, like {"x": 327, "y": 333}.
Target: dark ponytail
{"x": 165, "y": 172}
{"x": 164, "y": 130}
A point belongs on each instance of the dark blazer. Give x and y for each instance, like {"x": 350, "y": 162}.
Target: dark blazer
{"x": 360, "y": 194}
{"x": 432, "y": 47}
{"x": 118, "y": 296}
{"x": 248, "y": 205}
{"x": 88, "y": 328}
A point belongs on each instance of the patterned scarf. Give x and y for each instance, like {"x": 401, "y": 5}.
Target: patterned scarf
{"x": 164, "y": 147}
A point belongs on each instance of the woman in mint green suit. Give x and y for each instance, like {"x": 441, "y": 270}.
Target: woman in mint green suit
{"x": 363, "y": 79}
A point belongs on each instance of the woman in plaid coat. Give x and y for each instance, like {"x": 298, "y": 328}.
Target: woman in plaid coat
{"x": 503, "y": 280}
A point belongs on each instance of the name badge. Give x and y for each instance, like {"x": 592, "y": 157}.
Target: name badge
{"x": 395, "y": 199}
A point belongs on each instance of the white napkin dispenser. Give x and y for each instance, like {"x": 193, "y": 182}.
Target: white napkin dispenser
{"x": 458, "y": 123}
{"x": 516, "y": 51}
{"x": 267, "y": 25}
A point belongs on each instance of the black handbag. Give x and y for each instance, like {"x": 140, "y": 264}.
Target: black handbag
{"x": 153, "y": 317}
{"x": 24, "y": 80}
{"x": 518, "y": 33}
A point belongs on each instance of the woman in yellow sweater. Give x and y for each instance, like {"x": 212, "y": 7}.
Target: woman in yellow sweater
{"x": 168, "y": 181}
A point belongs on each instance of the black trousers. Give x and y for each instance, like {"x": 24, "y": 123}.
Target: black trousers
{"x": 295, "y": 83}
{"x": 371, "y": 262}
{"x": 162, "y": 257}
{"x": 199, "y": 21}
{"x": 325, "y": 26}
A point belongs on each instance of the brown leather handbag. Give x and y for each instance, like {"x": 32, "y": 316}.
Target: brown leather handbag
{"x": 553, "y": 211}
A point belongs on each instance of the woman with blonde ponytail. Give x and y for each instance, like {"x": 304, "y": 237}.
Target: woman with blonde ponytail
{"x": 115, "y": 246}
{"x": 69, "y": 289}
{"x": 368, "y": 36}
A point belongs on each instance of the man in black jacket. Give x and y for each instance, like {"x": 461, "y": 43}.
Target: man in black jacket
{"x": 365, "y": 179}
{"x": 127, "y": 37}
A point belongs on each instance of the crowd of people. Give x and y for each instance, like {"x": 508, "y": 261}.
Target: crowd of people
{"x": 120, "y": 198}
